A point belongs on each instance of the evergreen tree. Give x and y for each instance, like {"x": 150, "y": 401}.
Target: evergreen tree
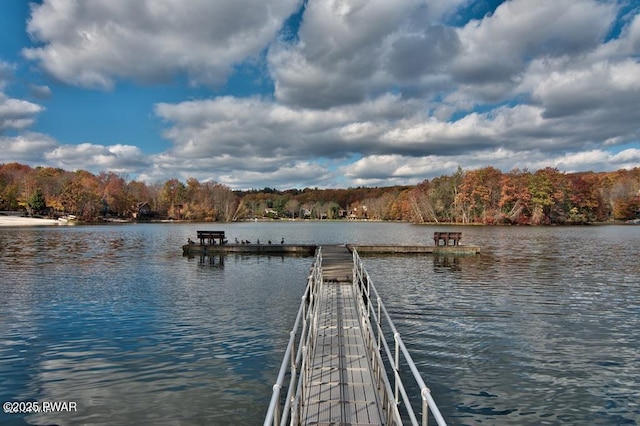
{"x": 37, "y": 203}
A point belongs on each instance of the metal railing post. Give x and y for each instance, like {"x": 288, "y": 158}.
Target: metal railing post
{"x": 425, "y": 409}
{"x": 379, "y": 321}
{"x": 397, "y": 366}
{"x": 293, "y": 350}
{"x": 276, "y": 414}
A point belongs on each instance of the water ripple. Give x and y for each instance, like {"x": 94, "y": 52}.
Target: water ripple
{"x": 541, "y": 328}
{"x": 526, "y": 333}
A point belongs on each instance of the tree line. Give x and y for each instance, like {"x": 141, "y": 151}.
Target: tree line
{"x": 486, "y": 196}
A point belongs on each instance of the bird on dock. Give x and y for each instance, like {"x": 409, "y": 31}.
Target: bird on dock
{"x": 269, "y": 242}
{"x": 282, "y": 240}
{"x": 258, "y": 241}
{"x": 236, "y": 240}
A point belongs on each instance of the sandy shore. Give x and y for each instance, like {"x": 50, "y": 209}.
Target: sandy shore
{"x": 25, "y": 221}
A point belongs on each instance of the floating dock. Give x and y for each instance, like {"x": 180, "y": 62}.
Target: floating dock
{"x": 215, "y": 243}
{"x": 309, "y": 249}
{"x": 272, "y": 249}
{"x": 413, "y": 249}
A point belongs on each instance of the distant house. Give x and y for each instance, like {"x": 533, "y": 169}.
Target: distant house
{"x": 142, "y": 210}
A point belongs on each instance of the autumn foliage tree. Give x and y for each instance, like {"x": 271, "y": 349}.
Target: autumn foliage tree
{"x": 486, "y": 195}
{"x": 515, "y": 198}
{"x": 479, "y": 195}
{"x": 623, "y": 195}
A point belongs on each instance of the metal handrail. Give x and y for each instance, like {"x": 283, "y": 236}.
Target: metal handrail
{"x": 372, "y": 312}
{"x": 294, "y": 362}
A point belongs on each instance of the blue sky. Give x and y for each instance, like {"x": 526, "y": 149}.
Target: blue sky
{"x": 332, "y": 93}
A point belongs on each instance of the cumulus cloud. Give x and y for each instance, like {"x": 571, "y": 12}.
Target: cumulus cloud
{"x": 29, "y": 148}
{"x": 86, "y": 156}
{"x": 298, "y": 174}
{"x": 38, "y": 149}
{"x": 398, "y": 170}
{"x": 93, "y": 44}
{"x": 17, "y": 114}
{"x": 498, "y": 47}
{"x": 241, "y": 173}
{"x": 349, "y": 51}
{"x": 600, "y": 86}
{"x": 254, "y": 127}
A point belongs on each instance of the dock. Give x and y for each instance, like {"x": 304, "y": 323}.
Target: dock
{"x": 215, "y": 243}
{"x": 270, "y": 249}
{"x": 310, "y": 249}
{"x": 339, "y": 367}
{"x": 414, "y": 249}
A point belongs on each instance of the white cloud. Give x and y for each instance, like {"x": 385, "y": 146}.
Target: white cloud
{"x": 593, "y": 160}
{"x": 497, "y": 48}
{"x": 396, "y": 169}
{"x": 86, "y": 156}
{"x": 350, "y": 51}
{"x": 28, "y": 148}
{"x": 253, "y": 127}
{"x": 94, "y": 43}
{"x": 576, "y": 91}
{"x": 297, "y": 175}
{"x": 17, "y": 114}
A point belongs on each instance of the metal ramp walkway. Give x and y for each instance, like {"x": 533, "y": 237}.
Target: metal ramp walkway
{"x": 335, "y": 365}
{"x": 341, "y": 388}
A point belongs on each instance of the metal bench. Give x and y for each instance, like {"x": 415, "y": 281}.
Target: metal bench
{"x": 211, "y": 237}
{"x": 445, "y": 237}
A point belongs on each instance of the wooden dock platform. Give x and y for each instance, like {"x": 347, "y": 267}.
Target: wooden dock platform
{"x": 341, "y": 387}
{"x": 272, "y": 249}
{"x": 414, "y": 249}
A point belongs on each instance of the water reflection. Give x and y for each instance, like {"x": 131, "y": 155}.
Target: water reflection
{"x": 441, "y": 262}
{"x": 216, "y": 261}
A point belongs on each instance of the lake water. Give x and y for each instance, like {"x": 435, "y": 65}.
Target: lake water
{"x": 540, "y": 328}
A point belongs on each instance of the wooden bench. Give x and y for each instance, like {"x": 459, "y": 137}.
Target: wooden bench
{"x": 455, "y": 237}
{"x": 211, "y": 237}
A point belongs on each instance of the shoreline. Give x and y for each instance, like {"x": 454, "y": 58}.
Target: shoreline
{"x": 19, "y": 221}
{"x": 9, "y": 221}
